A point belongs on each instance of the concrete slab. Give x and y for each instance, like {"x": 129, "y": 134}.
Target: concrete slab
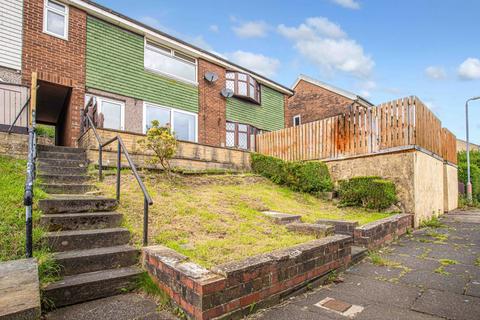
{"x": 448, "y": 305}
{"x": 282, "y": 218}
{"x": 19, "y": 290}
{"x": 122, "y": 307}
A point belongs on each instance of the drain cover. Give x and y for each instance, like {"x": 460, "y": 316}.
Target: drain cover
{"x": 341, "y": 307}
{"x": 337, "y": 305}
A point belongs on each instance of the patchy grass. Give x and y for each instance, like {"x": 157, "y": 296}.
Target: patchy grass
{"x": 378, "y": 260}
{"x": 447, "y": 262}
{"x": 434, "y": 223}
{"x": 217, "y": 219}
{"x": 477, "y": 261}
{"x": 12, "y": 210}
{"x": 440, "y": 238}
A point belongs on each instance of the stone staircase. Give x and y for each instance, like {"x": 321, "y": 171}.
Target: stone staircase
{"x": 83, "y": 232}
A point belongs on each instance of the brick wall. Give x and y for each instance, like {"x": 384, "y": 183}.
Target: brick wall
{"x": 212, "y": 105}
{"x": 231, "y": 290}
{"x": 376, "y": 234}
{"x": 57, "y": 61}
{"x": 314, "y": 103}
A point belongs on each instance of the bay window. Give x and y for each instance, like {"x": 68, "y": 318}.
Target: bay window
{"x": 243, "y": 86}
{"x": 169, "y": 62}
{"x": 55, "y": 19}
{"x": 182, "y": 123}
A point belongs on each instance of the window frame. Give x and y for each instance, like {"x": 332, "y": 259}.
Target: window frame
{"x": 172, "y": 120}
{"x": 100, "y": 101}
{"x": 246, "y": 96}
{"x": 148, "y": 42}
{"x": 66, "y": 16}
{"x": 299, "y": 117}
{"x": 251, "y": 130}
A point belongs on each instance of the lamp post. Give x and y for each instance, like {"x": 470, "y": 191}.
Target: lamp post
{"x": 469, "y": 183}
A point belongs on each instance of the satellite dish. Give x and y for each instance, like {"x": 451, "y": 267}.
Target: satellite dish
{"x": 211, "y": 76}
{"x": 227, "y": 93}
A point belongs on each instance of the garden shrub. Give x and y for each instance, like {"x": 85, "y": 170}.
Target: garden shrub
{"x": 310, "y": 177}
{"x": 474, "y": 177}
{"x": 369, "y": 192}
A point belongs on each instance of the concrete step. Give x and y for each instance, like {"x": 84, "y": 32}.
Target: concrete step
{"x": 65, "y": 179}
{"x": 62, "y": 163}
{"x": 61, "y": 155}
{"x": 282, "y": 218}
{"x": 358, "y": 253}
{"x": 90, "y": 286}
{"x": 76, "y": 203}
{"x": 61, "y": 188}
{"x": 62, "y": 170}
{"x": 50, "y": 148}
{"x": 90, "y": 260}
{"x": 318, "y": 230}
{"x": 60, "y": 241}
{"x": 80, "y": 221}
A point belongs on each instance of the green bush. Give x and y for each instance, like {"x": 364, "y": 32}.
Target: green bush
{"x": 474, "y": 177}
{"x": 369, "y": 192}
{"x": 45, "y": 131}
{"x": 310, "y": 177}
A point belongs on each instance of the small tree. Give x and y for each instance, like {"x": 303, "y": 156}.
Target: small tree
{"x": 161, "y": 141}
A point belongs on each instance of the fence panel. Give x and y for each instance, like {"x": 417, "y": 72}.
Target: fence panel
{"x": 12, "y": 99}
{"x": 403, "y": 122}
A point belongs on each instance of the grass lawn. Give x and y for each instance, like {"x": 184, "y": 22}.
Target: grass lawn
{"x": 217, "y": 219}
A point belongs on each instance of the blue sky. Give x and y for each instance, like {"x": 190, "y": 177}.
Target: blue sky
{"x": 381, "y": 49}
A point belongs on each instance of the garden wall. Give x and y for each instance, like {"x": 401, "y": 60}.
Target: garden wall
{"x": 235, "y": 289}
{"x": 190, "y": 156}
{"x": 16, "y": 144}
{"x": 420, "y": 179}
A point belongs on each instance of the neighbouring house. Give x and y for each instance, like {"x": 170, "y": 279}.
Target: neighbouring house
{"x": 315, "y": 100}
{"x": 81, "y": 49}
{"x": 462, "y": 146}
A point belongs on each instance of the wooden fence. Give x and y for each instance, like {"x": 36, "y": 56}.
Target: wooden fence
{"x": 403, "y": 122}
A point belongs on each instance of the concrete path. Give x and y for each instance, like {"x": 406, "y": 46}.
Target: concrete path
{"x": 431, "y": 274}
{"x": 130, "y": 306}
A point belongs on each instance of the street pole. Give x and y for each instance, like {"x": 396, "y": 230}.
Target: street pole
{"x": 469, "y": 182}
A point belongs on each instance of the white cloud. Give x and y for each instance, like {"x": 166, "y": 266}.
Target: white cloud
{"x": 153, "y": 22}
{"x": 366, "y": 87}
{"x": 435, "y": 72}
{"x": 326, "y": 45}
{"x": 214, "y": 28}
{"x": 251, "y": 29}
{"x": 469, "y": 69}
{"x": 256, "y": 62}
{"x": 349, "y": 4}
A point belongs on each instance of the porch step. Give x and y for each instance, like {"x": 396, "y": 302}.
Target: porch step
{"x": 81, "y": 221}
{"x": 60, "y": 241}
{"x": 62, "y": 163}
{"x": 93, "y": 285}
{"x": 62, "y": 155}
{"x": 61, "y": 178}
{"x": 62, "y": 170}
{"x": 90, "y": 260}
{"x": 61, "y": 188}
{"x": 76, "y": 203}
{"x": 50, "y": 148}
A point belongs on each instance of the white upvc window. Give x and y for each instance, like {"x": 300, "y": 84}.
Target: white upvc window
{"x": 184, "y": 124}
{"x": 113, "y": 112}
{"x": 55, "y": 19}
{"x": 171, "y": 63}
{"x": 297, "y": 120}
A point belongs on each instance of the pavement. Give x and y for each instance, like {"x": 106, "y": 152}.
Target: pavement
{"x": 433, "y": 273}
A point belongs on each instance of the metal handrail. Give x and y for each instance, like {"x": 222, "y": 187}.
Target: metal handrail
{"x": 18, "y": 115}
{"x": 120, "y": 148}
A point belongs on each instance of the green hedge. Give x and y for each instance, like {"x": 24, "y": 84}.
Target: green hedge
{"x": 474, "y": 177}
{"x": 310, "y": 177}
{"x": 369, "y": 192}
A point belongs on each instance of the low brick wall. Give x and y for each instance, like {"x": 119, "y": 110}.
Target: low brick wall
{"x": 230, "y": 290}
{"x": 376, "y": 234}
{"x": 16, "y": 144}
{"x": 189, "y": 156}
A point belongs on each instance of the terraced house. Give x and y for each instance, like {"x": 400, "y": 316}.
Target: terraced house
{"x": 138, "y": 74}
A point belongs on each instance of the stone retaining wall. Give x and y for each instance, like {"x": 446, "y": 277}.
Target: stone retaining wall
{"x": 231, "y": 290}
{"x": 16, "y": 144}
{"x": 341, "y": 227}
{"x": 376, "y": 234}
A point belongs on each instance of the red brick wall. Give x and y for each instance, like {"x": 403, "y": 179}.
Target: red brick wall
{"x": 314, "y": 103}
{"x": 212, "y": 106}
{"x": 57, "y": 61}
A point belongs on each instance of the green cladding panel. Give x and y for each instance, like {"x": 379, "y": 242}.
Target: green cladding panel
{"x": 115, "y": 64}
{"x": 267, "y": 116}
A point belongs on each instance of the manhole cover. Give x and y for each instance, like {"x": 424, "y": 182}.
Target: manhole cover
{"x": 337, "y": 305}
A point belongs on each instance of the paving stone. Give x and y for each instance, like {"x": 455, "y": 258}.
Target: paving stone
{"x": 297, "y": 313}
{"x": 122, "y": 307}
{"x": 373, "y": 271}
{"x": 448, "y": 305}
{"x": 19, "y": 290}
{"x": 473, "y": 288}
{"x": 382, "y": 312}
{"x": 431, "y": 280}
